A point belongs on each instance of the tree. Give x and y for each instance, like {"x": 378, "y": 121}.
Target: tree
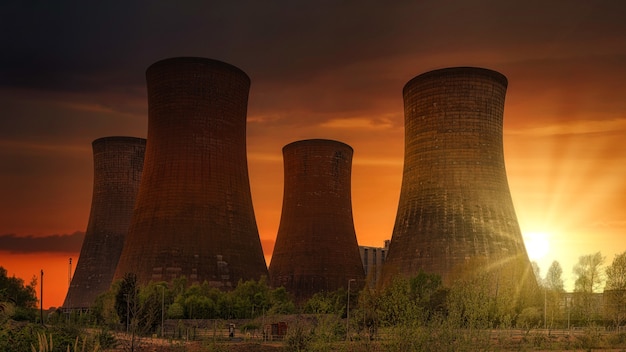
{"x": 13, "y": 289}
{"x": 281, "y": 302}
{"x": 615, "y": 290}
{"x": 554, "y": 295}
{"x": 17, "y": 300}
{"x": 589, "y": 279}
{"x": 127, "y": 299}
{"x": 589, "y": 273}
{"x": 616, "y": 273}
{"x": 327, "y": 303}
{"x": 412, "y": 301}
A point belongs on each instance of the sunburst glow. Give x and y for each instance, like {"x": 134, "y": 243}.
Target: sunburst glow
{"x": 537, "y": 245}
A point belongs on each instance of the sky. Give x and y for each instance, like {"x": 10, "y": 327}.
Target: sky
{"x": 72, "y": 72}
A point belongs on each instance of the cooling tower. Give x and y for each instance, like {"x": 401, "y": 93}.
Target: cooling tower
{"x": 455, "y": 208}
{"x": 117, "y": 171}
{"x": 316, "y": 247}
{"x": 194, "y": 214}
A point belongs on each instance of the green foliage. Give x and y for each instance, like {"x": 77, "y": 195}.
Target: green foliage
{"x": 104, "y": 309}
{"x": 106, "y": 339}
{"x": 280, "y": 302}
{"x": 250, "y": 298}
{"x": 529, "y": 318}
{"x": 18, "y": 337}
{"x": 589, "y": 278}
{"x": 616, "y": 273}
{"x": 412, "y": 301}
{"x": 46, "y": 344}
{"x": 151, "y": 306}
{"x": 554, "y": 294}
{"x": 13, "y": 289}
{"x": 144, "y": 306}
{"x": 127, "y": 298}
{"x": 327, "y": 303}
{"x": 24, "y": 314}
{"x": 298, "y": 338}
{"x": 589, "y": 273}
{"x": 470, "y": 304}
{"x": 175, "y": 311}
{"x": 328, "y": 328}
{"x": 615, "y": 290}
{"x": 366, "y": 312}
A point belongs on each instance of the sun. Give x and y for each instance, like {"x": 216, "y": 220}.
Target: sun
{"x": 537, "y": 245}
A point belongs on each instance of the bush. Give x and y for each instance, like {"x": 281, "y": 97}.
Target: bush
{"x": 298, "y": 338}
{"x": 106, "y": 340}
{"x": 18, "y": 337}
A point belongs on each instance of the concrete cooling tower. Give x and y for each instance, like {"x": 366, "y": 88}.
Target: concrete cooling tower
{"x": 194, "y": 214}
{"x": 316, "y": 247}
{"x": 118, "y": 162}
{"x": 455, "y": 207}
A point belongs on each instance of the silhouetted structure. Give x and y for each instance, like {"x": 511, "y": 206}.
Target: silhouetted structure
{"x": 118, "y": 162}
{"x": 316, "y": 248}
{"x": 194, "y": 214}
{"x": 373, "y": 259}
{"x": 455, "y": 207}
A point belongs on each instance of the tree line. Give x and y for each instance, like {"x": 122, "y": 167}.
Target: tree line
{"x": 414, "y": 312}
{"x": 599, "y": 294}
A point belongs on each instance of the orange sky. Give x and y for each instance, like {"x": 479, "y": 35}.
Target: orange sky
{"x": 325, "y": 71}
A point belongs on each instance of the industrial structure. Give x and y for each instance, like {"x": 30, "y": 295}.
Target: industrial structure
{"x": 194, "y": 214}
{"x": 316, "y": 248}
{"x": 455, "y": 210}
{"x": 373, "y": 259}
{"x": 118, "y": 162}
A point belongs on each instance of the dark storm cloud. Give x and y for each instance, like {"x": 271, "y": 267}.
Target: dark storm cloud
{"x": 70, "y": 118}
{"x": 80, "y": 46}
{"x": 50, "y": 244}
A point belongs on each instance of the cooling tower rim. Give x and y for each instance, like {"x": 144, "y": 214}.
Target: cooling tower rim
{"x": 451, "y": 71}
{"x": 317, "y": 142}
{"x": 197, "y": 60}
{"x": 125, "y": 139}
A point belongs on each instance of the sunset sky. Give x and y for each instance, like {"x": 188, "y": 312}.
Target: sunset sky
{"x": 72, "y": 72}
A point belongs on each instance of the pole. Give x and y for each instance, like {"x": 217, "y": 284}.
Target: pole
{"x": 41, "y": 299}
{"x": 569, "y": 306}
{"x": 348, "y": 312}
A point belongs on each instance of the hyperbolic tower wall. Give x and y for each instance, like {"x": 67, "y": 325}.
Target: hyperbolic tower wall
{"x": 194, "y": 214}
{"x": 118, "y": 162}
{"x": 316, "y": 247}
{"x": 455, "y": 205}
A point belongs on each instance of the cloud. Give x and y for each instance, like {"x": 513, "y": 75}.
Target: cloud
{"x": 573, "y": 128}
{"x": 49, "y": 244}
{"x": 358, "y": 123}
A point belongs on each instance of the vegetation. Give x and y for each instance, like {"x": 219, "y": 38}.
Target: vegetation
{"x": 16, "y": 298}
{"x": 615, "y": 290}
{"x": 589, "y": 279}
{"x": 553, "y": 295}
{"x": 482, "y": 308}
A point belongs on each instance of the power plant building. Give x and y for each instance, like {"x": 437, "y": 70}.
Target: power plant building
{"x": 373, "y": 259}
{"x": 194, "y": 215}
{"x": 118, "y": 163}
{"x": 455, "y": 207}
{"x": 316, "y": 248}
